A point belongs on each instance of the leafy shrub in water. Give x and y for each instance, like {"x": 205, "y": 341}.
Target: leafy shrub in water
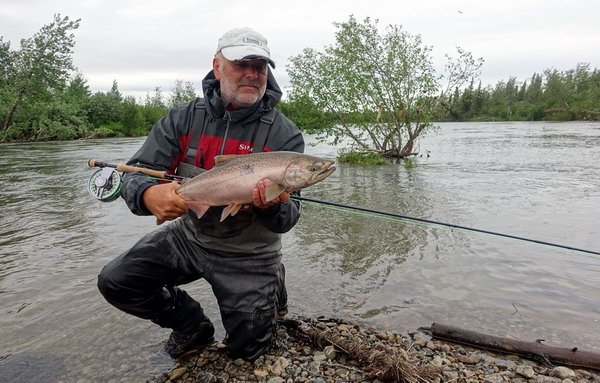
{"x": 361, "y": 158}
{"x": 409, "y": 162}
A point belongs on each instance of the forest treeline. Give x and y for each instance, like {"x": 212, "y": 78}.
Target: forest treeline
{"x": 43, "y": 97}
{"x": 73, "y": 111}
{"x": 553, "y": 95}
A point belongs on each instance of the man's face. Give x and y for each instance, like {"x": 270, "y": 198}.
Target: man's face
{"x": 243, "y": 83}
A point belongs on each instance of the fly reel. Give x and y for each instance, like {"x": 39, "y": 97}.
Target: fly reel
{"x": 105, "y": 184}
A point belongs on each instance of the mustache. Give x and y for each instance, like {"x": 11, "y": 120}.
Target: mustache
{"x": 250, "y": 83}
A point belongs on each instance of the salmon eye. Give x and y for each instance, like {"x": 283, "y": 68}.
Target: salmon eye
{"x": 314, "y": 168}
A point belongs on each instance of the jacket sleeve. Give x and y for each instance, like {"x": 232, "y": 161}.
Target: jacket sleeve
{"x": 160, "y": 151}
{"x": 281, "y": 217}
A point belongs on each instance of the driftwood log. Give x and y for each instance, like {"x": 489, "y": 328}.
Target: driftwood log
{"x": 388, "y": 364}
{"x": 529, "y": 350}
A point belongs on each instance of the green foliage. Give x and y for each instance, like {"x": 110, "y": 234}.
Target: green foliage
{"x": 306, "y": 115}
{"x": 372, "y": 91}
{"x": 38, "y": 71}
{"x": 103, "y": 132}
{"x": 555, "y": 95}
{"x": 132, "y": 118}
{"x": 181, "y": 93}
{"x": 361, "y": 158}
{"x": 379, "y": 88}
{"x": 116, "y": 128}
{"x": 103, "y": 108}
{"x": 409, "y": 162}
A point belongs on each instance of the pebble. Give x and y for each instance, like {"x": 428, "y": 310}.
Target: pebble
{"x": 563, "y": 372}
{"x": 295, "y": 360}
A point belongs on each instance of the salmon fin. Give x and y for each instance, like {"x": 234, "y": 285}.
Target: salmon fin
{"x": 224, "y": 158}
{"x": 273, "y": 191}
{"x": 230, "y": 210}
{"x": 198, "y": 208}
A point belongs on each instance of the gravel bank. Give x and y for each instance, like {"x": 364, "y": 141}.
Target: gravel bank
{"x": 297, "y": 358}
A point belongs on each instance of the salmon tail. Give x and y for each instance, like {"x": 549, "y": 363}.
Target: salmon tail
{"x": 230, "y": 210}
{"x": 198, "y": 208}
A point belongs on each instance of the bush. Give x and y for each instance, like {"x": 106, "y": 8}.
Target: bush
{"x": 361, "y": 158}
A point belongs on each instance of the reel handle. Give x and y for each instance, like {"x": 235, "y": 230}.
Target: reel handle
{"x": 128, "y": 168}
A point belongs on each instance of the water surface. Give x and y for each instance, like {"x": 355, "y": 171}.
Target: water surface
{"x": 535, "y": 180}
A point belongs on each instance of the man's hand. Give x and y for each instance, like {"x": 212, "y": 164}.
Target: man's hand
{"x": 259, "y": 198}
{"x": 163, "y": 202}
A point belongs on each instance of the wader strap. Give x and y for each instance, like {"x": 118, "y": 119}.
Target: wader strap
{"x": 260, "y": 139}
{"x": 196, "y": 131}
{"x": 190, "y": 167}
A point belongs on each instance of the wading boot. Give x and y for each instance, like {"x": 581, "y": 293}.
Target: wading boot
{"x": 180, "y": 343}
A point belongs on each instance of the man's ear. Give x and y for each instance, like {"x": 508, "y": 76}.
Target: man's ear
{"x": 217, "y": 68}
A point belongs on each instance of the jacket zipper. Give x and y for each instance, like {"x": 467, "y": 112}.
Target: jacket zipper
{"x": 227, "y": 117}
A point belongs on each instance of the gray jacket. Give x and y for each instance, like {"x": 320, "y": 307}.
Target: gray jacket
{"x": 224, "y": 132}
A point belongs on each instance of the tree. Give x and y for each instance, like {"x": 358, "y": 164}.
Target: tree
{"x": 41, "y": 67}
{"x": 182, "y": 92}
{"x": 380, "y": 88}
{"x": 105, "y": 108}
{"x": 155, "y": 100}
{"x": 305, "y": 114}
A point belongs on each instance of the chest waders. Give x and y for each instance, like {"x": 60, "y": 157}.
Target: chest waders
{"x": 193, "y": 165}
{"x": 249, "y": 287}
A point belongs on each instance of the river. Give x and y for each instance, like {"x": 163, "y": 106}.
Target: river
{"x": 536, "y": 180}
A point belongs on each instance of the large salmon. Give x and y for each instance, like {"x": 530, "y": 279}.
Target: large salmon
{"x": 231, "y": 181}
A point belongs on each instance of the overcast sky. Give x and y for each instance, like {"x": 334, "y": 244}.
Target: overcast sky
{"x": 150, "y": 43}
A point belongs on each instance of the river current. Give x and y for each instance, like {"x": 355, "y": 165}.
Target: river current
{"x": 535, "y": 180}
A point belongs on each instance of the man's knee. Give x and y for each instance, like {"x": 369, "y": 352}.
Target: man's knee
{"x": 118, "y": 286}
{"x": 107, "y": 286}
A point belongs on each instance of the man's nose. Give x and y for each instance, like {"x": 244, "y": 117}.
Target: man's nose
{"x": 250, "y": 72}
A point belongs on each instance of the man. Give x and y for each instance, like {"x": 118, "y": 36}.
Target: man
{"x": 240, "y": 257}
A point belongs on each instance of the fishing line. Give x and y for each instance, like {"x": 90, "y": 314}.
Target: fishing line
{"x": 105, "y": 185}
{"x": 433, "y": 222}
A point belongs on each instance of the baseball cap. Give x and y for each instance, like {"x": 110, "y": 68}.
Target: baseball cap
{"x": 244, "y": 44}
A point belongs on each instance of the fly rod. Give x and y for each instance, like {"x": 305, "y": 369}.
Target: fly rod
{"x": 105, "y": 185}
{"x": 429, "y": 221}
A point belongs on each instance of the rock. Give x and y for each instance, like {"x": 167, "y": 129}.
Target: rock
{"x": 260, "y": 373}
{"x": 506, "y": 364}
{"x": 279, "y": 366}
{"x": 329, "y": 352}
{"x": 495, "y": 378}
{"x": 450, "y": 376}
{"x": 466, "y": 359}
{"x": 563, "y": 373}
{"x": 525, "y": 371}
{"x": 319, "y": 356}
{"x": 547, "y": 379}
{"x": 342, "y": 373}
{"x": 295, "y": 359}
{"x": 177, "y": 373}
{"x": 239, "y": 362}
{"x": 314, "y": 368}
